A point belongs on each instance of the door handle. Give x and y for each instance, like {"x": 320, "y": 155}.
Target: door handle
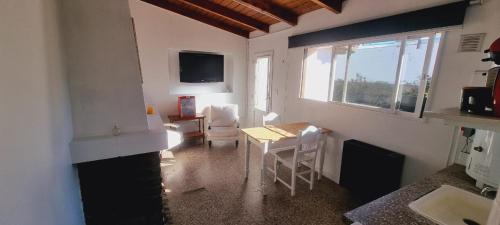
{"x": 478, "y": 148}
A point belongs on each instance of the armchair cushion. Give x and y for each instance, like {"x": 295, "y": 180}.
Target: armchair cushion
{"x": 223, "y": 116}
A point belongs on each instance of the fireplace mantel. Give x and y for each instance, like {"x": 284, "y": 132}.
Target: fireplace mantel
{"x": 132, "y": 143}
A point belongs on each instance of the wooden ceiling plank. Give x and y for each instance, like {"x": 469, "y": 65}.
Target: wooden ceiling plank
{"x": 226, "y": 2}
{"x": 272, "y": 10}
{"x": 197, "y": 16}
{"x": 229, "y": 14}
{"x": 332, "y": 5}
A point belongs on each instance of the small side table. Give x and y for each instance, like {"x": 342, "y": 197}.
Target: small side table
{"x": 195, "y": 134}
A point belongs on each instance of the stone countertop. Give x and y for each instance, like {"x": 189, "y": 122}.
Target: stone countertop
{"x": 393, "y": 208}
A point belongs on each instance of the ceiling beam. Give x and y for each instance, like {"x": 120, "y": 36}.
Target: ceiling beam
{"x": 270, "y": 9}
{"x": 229, "y": 14}
{"x": 182, "y": 10}
{"x": 332, "y": 5}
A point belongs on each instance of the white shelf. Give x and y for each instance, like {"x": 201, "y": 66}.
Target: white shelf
{"x": 455, "y": 117}
{"x": 106, "y": 147}
{"x": 129, "y": 143}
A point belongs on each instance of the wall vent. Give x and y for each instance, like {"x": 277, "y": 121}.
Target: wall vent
{"x": 471, "y": 42}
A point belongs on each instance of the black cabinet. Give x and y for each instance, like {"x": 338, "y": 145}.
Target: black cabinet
{"x": 368, "y": 171}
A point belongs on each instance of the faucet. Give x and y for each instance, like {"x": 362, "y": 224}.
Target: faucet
{"x": 489, "y": 192}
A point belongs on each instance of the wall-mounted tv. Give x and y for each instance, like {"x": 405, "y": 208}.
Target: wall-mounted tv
{"x": 196, "y": 67}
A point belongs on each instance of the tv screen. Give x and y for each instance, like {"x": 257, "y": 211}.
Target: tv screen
{"x": 201, "y": 67}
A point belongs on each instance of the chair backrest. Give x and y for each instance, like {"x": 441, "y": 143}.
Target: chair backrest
{"x": 308, "y": 140}
{"x": 270, "y": 118}
{"x": 223, "y": 115}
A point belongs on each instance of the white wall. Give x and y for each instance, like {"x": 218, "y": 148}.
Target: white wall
{"x": 425, "y": 144}
{"x": 103, "y": 68}
{"x": 38, "y": 185}
{"x": 160, "y": 31}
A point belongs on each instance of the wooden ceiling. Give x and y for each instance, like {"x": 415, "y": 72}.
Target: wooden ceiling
{"x": 244, "y": 16}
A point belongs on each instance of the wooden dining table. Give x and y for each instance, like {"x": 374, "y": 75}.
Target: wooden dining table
{"x": 263, "y": 137}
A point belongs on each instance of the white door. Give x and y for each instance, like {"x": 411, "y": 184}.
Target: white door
{"x": 262, "y": 87}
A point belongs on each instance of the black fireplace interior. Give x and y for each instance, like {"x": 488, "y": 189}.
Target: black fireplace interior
{"x": 123, "y": 191}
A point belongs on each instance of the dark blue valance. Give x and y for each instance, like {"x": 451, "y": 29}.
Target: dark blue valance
{"x": 440, "y": 16}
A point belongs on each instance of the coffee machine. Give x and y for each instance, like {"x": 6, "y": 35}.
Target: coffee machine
{"x": 485, "y": 100}
{"x": 493, "y": 79}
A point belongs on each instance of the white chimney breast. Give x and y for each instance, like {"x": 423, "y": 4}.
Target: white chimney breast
{"x": 103, "y": 68}
{"x": 108, "y": 109}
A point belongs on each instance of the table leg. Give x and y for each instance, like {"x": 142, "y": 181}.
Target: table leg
{"x": 265, "y": 149}
{"x": 322, "y": 156}
{"x": 247, "y": 155}
{"x": 203, "y": 129}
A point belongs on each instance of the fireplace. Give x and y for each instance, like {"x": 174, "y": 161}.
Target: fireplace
{"x": 123, "y": 190}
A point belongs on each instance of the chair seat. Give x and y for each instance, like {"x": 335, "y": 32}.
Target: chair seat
{"x": 222, "y": 132}
{"x": 286, "y": 157}
{"x": 287, "y": 143}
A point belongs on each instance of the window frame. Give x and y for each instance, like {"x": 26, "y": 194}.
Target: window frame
{"x": 425, "y": 70}
{"x": 402, "y": 38}
{"x": 435, "y": 70}
{"x": 397, "y": 75}
{"x": 303, "y": 75}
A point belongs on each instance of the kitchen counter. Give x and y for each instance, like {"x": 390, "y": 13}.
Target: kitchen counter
{"x": 393, "y": 208}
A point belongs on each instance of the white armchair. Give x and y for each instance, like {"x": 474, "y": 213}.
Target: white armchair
{"x": 223, "y": 124}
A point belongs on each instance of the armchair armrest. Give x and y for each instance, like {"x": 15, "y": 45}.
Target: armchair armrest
{"x": 236, "y": 124}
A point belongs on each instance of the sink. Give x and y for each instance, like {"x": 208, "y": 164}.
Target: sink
{"x": 449, "y": 205}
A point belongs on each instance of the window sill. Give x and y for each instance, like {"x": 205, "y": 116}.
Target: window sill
{"x": 395, "y": 114}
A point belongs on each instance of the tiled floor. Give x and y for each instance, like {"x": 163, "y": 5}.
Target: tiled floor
{"x": 206, "y": 186}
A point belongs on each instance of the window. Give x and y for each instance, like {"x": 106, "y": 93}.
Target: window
{"x": 317, "y": 67}
{"x": 371, "y": 73}
{"x": 261, "y": 92}
{"x": 389, "y": 74}
{"x": 412, "y": 68}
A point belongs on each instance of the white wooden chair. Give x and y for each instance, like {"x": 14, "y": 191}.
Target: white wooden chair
{"x": 273, "y": 118}
{"x": 304, "y": 153}
{"x": 223, "y": 123}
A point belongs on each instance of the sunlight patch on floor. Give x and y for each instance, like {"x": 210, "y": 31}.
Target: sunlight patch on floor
{"x": 174, "y": 138}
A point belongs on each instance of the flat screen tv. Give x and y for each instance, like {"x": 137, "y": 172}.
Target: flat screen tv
{"x": 198, "y": 67}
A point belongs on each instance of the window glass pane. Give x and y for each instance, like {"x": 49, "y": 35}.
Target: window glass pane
{"x": 431, "y": 69}
{"x": 372, "y": 73}
{"x": 261, "y": 82}
{"x": 339, "y": 66}
{"x": 316, "y": 77}
{"x": 432, "y": 63}
{"x": 412, "y": 66}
